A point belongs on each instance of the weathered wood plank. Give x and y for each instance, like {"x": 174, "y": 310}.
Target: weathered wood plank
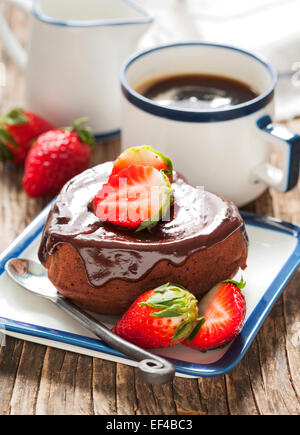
{"x": 291, "y": 313}
{"x": 273, "y": 363}
{"x": 9, "y": 362}
{"x": 287, "y": 207}
{"x": 164, "y": 398}
{"x": 26, "y": 386}
{"x": 66, "y": 384}
{"x": 126, "y": 399}
{"x": 213, "y": 395}
{"x": 104, "y": 387}
{"x": 256, "y": 379}
{"x": 154, "y": 399}
{"x": 82, "y": 393}
{"x": 239, "y": 391}
{"x": 187, "y": 398}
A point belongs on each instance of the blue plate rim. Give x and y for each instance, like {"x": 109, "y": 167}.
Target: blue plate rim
{"x": 239, "y": 346}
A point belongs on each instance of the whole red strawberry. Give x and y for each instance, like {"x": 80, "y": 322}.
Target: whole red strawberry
{"x": 159, "y": 318}
{"x": 222, "y": 313}
{"x": 18, "y": 129}
{"x": 56, "y": 157}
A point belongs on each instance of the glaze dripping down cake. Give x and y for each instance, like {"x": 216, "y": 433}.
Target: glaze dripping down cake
{"x": 104, "y": 269}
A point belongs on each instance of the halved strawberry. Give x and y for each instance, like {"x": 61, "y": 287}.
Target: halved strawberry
{"x": 137, "y": 197}
{"x": 222, "y": 312}
{"x": 145, "y": 156}
{"x": 159, "y": 318}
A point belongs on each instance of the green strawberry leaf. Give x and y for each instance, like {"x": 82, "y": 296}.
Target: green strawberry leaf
{"x": 149, "y": 304}
{"x": 6, "y": 137}
{"x": 169, "y": 164}
{"x": 183, "y": 331}
{"x": 240, "y": 285}
{"x": 84, "y": 134}
{"x": 164, "y": 287}
{"x": 196, "y": 329}
{"x": 168, "y": 312}
{"x": 5, "y": 153}
{"x": 173, "y": 301}
{"x": 79, "y": 122}
{"x": 169, "y": 286}
{"x": 167, "y": 296}
{"x": 15, "y": 117}
{"x": 148, "y": 224}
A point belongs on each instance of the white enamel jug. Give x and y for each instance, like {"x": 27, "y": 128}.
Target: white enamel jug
{"x": 75, "y": 51}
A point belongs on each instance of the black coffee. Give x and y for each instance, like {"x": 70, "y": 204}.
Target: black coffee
{"x": 197, "y": 91}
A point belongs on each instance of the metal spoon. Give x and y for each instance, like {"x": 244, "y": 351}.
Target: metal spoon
{"x": 33, "y": 277}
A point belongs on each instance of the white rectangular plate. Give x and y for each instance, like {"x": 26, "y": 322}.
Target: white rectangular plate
{"x": 274, "y": 254}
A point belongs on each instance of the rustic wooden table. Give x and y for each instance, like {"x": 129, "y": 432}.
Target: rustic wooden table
{"x": 35, "y": 379}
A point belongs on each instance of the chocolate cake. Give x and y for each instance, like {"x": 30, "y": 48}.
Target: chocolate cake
{"x": 103, "y": 268}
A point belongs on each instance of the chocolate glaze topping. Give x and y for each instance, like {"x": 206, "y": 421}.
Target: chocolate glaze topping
{"x": 197, "y": 220}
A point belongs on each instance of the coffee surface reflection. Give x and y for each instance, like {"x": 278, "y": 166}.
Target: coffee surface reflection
{"x": 196, "y": 91}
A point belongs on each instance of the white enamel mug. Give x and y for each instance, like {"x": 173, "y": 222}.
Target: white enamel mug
{"x": 226, "y": 150}
{"x": 75, "y": 52}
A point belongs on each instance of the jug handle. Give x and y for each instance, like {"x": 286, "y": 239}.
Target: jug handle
{"x": 10, "y": 42}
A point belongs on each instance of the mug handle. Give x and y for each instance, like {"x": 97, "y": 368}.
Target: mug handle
{"x": 10, "y": 42}
{"x": 289, "y": 143}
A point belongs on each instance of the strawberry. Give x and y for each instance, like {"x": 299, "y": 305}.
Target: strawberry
{"x": 137, "y": 198}
{"x": 17, "y": 131}
{"x": 145, "y": 156}
{"x": 56, "y": 157}
{"x": 222, "y": 312}
{"x": 159, "y": 318}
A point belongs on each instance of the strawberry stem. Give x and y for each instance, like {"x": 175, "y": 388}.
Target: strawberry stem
{"x": 15, "y": 117}
{"x": 240, "y": 285}
{"x": 5, "y": 139}
{"x": 5, "y": 153}
{"x": 84, "y": 134}
{"x": 78, "y": 123}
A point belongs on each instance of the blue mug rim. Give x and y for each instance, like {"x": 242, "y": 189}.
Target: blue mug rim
{"x": 187, "y": 115}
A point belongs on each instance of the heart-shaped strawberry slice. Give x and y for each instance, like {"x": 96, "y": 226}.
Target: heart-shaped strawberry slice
{"x": 221, "y": 316}
{"x": 136, "y": 197}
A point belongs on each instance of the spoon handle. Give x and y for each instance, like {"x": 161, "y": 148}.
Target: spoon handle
{"x": 152, "y": 368}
